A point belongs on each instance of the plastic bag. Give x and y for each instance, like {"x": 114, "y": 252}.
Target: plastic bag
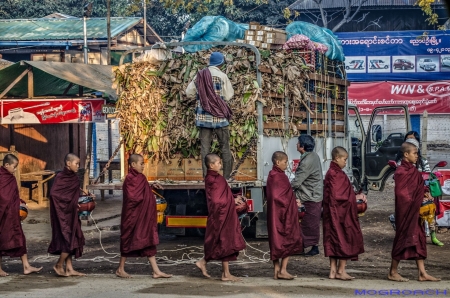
{"x": 320, "y": 35}
{"x": 213, "y": 28}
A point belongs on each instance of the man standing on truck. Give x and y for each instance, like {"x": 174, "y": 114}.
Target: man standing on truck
{"x": 308, "y": 188}
{"x": 213, "y": 89}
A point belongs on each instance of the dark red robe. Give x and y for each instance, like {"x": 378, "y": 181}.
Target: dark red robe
{"x": 342, "y": 236}
{"x": 12, "y": 239}
{"x": 282, "y": 216}
{"x": 138, "y": 225}
{"x": 223, "y": 238}
{"x": 410, "y": 239}
{"x": 67, "y": 236}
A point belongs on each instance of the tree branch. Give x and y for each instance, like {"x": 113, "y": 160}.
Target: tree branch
{"x": 348, "y": 13}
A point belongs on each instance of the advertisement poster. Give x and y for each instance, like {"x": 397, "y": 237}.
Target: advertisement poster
{"x": 51, "y": 111}
{"x": 434, "y": 97}
{"x": 396, "y": 56}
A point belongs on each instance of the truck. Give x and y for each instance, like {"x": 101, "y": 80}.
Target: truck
{"x": 336, "y": 123}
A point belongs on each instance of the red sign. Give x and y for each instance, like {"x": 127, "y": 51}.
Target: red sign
{"x": 250, "y": 205}
{"x": 434, "y": 97}
{"x": 50, "y": 111}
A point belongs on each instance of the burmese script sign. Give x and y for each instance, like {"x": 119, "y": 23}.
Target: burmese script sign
{"x": 419, "y": 96}
{"x": 50, "y": 111}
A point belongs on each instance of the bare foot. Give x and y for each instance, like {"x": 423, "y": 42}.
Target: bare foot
{"x": 332, "y": 275}
{"x": 202, "y": 266}
{"x": 230, "y": 278}
{"x": 161, "y": 275}
{"x": 122, "y": 274}
{"x": 60, "y": 271}
{"x": 74, "y": 273}
{"x": 31, "y": 269}
{"x": 3, "y": 273}
{"x": 397, "y": 277}
{"x": 344, "y": 276}
{"x": 285, "y": 276}
{"x": 275, "y": 274}
{"x": 427, "y": 277}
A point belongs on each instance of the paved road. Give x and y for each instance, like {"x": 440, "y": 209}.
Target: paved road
{"x": 108, "y": 286}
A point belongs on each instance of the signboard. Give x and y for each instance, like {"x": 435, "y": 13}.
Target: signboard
{"x": 51, "y": 111}
{"x": 419, "y": 96}
{"x": 396, "y": 56}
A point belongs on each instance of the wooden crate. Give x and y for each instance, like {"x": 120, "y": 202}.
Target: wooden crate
{"x": 175, "y": 169}
{"x": 247, "y": 171}
{"x": 155, "y": 171}
{"x": 193, "y": 169}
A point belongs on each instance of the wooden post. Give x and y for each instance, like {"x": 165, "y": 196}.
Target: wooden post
{"x": 424, "y": 134}
{"x": 108, "y": 30}
{"x": 30, "y": 83}
{"x": 87, "y": 164}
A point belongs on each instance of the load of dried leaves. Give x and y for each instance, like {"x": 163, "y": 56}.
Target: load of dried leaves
{"x": 157, "y": 118}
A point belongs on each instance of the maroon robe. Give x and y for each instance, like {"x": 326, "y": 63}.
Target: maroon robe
{"x": 138, "y": 225}
{"x": 12, "y": 239}
{"x": 282, "y": 216}
{"x": 342, "y": 236}
{"x": 223, "y": 238}
{"x": 410, "y": 239}
{"x": 67, "y": 236}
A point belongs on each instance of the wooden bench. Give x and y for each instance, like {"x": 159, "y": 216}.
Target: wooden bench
{"x": 41, "y": 178}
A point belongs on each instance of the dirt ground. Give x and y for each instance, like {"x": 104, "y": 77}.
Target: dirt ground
{"x": 177, "y": 254}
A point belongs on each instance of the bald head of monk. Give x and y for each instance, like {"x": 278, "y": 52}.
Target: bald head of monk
{"x": 136, "y": 162}
{"x": 339, "y": 156}
{"x": 10, "y": 163}
{"x": 213, "y": 162}
{"x": 410, "y": 152}
{"x": 72, "y": 162}
{"x": 280, "y": 160}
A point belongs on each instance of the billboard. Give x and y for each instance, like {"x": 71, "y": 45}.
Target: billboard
{"x": 434, "y": 97}
{"x": 51, "y": 111}
{"x": 396, "y": 56}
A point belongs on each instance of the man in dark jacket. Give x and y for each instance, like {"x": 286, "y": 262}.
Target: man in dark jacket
{"x": 308, "y": 188}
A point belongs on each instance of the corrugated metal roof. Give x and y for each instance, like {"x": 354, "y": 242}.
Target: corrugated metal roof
{"x": 62, "y": 29}
{"x": 310, "y": 4}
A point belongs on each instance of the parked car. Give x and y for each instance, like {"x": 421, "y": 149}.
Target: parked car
{"x": 378, "y": 64}
{"x": 403, "y": 64}
{"x": 427, "y": 64}
{"x": 445, "y": 61}
{"x": 355, "y": 64}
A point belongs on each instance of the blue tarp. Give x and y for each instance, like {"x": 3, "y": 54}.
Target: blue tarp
{"x": 318, "y": 34}
{"x": 213, "y": 28}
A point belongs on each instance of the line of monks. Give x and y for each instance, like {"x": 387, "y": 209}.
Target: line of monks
{"x": 342, "y": 236}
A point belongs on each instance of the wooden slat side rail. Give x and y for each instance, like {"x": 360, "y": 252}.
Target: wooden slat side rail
{"x": 312, "y": 76}
{"x": 317, "y": 127}
{"x": 301, "y": 114}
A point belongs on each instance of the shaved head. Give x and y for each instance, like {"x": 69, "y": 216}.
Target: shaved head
{"x": 10, "y": 159}
{"x": 210, "y": 159}
{"x": 278, "y": 155}
{"x": 338, "y": 152}
{"x": 70, "y": 157}
{"x": 407, "y": 147}
{"x": 134, "y": 158}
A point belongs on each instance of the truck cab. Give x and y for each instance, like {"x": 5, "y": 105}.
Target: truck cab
{"x": 373, "y": 147}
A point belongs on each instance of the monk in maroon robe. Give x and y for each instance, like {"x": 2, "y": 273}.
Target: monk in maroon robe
{"x": 410, "y": 239}
{"x": 138, "y": 225}
{"x": 223, "y": 238}
{"x": 282, "y": 217}
{"x": 342, "y": 236}
{"x": 67, "y": 237}
{"x": 12, "y": 238}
